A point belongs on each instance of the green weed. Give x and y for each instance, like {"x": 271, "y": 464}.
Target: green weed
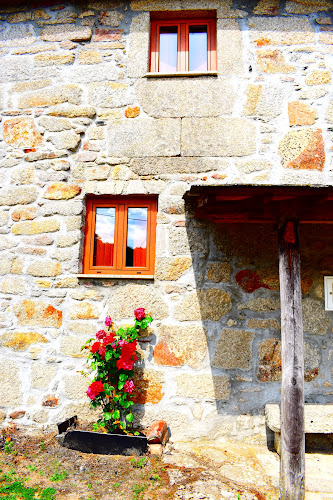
{"x": 139, "y": 463}
{"x": 32, "y": 467}
{"x": 9, "y": 476}
{"x": 59, "y": 476}
{"x": 155, "y": 477}
{"x": 138, "y": 491}
{"x": 9, "y": 447}
{"x": 17, "y": 490}
{"x": 42, "y": 445}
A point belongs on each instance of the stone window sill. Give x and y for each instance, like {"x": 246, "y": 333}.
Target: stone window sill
{"x": 119, "y": 276}
{"x": 182, "y": 73}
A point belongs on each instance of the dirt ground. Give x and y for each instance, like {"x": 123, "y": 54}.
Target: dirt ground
{"x": 37, "y": 467}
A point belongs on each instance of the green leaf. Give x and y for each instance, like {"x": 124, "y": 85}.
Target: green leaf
{"x": 108, "y": 355}
{"x": 123, "y": 377}
{"x": 95, "y": 427}
{"x": 107, "y": 415}
{"x": 129, "y": 417}
{"x": 116, "y": 415}
{"x": 121, "y": 385}
{"x": 86, "y": 344}
{"x": 108, "y": 390}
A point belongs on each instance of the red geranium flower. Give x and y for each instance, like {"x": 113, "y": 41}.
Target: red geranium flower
{"x": 140, "y": 313}
{"x": 129, "y": 386}
{"x": 127, "y": 355}
{"x": 108, "y": 340}
{"x": 101, "y": 334}
{"x": 95, "y": 347}
{"x": 94, "y": 389}
{"x": 102, "y": 351}
{"x": 125, "y": 364}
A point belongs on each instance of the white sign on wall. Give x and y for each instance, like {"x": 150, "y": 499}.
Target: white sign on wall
{"x": 328, "y": 287}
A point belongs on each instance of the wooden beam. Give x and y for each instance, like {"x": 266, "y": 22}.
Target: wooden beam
{"x": 292, "y": 461}
{"x": 258, "y": 209}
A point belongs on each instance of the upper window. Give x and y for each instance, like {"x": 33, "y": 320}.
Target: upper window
{"x": 183, "y": 44}
{"x": 120, "y": 235}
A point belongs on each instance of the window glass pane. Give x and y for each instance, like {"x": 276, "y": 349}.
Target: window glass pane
{"x": 168, "y": 49}
{"x": 198, "y": 48}
{"x": 104, "y": 236}
{"x": 136, "y": 245}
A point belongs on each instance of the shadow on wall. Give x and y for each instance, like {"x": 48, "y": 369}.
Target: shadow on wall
{"x": 235, "y": 298}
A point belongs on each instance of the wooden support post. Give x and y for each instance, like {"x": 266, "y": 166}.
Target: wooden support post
{"x": 292, "y": 461}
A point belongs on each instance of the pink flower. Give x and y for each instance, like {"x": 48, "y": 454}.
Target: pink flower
{"x": 108, "y": 321}
{"x": 129, "y": 386}
{"x": 101, "y": 334}
{"x": 94, "y": 389}
{"x": 140, "y": 313}
{"x": 95, "y": 347}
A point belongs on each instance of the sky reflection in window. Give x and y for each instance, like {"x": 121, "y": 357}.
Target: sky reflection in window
{"x": 198, "y": 48}
{"x": 168, "y": 49}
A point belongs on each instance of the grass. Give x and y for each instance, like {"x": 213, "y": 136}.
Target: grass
{"x": 155, "y": 477}
{"x": 138, "y": 463}
{"x": 17, "y": 490}
{"x": 44, "y": 474}
{"x": 59, "y": 476}
{"x": 9, "y": 447}
{"x": 34, "y": 470}
{"x": 138, "y": 491}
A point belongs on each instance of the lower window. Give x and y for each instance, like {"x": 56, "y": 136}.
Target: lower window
{"x": 120, "y": 235}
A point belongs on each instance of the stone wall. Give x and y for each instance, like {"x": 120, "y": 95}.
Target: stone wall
{"x": 79, "y": 116}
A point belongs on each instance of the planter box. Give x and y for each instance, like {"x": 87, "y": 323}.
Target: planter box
{"x": 104, "y": 444}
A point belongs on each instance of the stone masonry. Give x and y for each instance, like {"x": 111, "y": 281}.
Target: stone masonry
{"x": 80, "y": 116}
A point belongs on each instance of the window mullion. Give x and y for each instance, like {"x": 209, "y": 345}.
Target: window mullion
{"x": 183, "y": 50}
{"x": 90, "y": 231}
{"x": 119, "y": 236}
{"x": 213, "y": 48}
{"x": 187, "y": 49}
{"x": 149, "y": 230}
{"x": 154, "y": 54}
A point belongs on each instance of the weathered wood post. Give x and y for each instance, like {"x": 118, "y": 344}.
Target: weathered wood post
{"x": 292, "y": 461}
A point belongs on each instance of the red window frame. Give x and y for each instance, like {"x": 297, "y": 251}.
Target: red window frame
{"x": 121, "y": 204}
{"x": 159, "y": 20}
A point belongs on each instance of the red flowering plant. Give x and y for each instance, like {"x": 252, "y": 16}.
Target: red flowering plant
{"x": 112, "y": 354}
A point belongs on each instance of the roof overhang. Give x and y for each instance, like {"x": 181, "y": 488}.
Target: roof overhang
{"x": 262, "y": 204}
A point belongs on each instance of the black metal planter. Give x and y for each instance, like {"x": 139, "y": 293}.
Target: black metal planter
{"x": 105, "y": 444}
